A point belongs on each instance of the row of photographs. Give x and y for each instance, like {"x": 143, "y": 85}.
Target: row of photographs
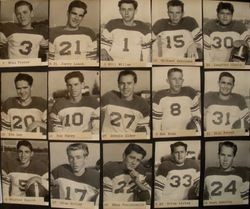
{"x": 125, "y": 174}
{"x": 125, "y": 33}
{"x": 125, "y": 104}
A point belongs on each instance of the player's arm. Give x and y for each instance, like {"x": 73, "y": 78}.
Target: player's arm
{"x": 51, "y": 51}
{"x": 92, "y": 50}
{"x": 195, "y": 111}
{"x": 95, "y": 118}
{"x": 54, "y": 187}
{"x": 107, "y": 189}
{"x": 139, "y": 181}
{"x": 5, "y": 182}
{"x": 160, "y": 183}
{"x": 5, "y": 120}
{"x": 157, "y": 114}
{"x": 146, "y": 48}
{"x": 36, "y": 125}
{"x": 106, "y": 44}
{"x": 56, "y": 122}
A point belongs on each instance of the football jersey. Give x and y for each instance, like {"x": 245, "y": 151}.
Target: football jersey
{"x": 174, "y": 40}
{"x": 118, "y": 184}
{"x": 67, "y": 116}
{"x": 67, "y": 45}
{"x": 218, "y": 39}
{"x": 77, "y": 188}
{"x": 126, "y": 42}
{"x": 174, "y": 111}
{"x": 173, "y": 182}
{"x": 227, "y": 185}
{"x": 122, "y": 116}
{"x": 15, "y": 117}
{"x": 223, "y": 114}
{"x": 22, "y": 43}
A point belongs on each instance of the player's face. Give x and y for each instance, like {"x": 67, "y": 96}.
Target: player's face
{"x": 24, "y": 15}
{"x": 23, "y": 90}
{"x": 175, "y": 81}
{"x": 179, "y": 155}
{"x": 126, "y": 86}
{"x": 74, "y": 87}
{"x": 75, "y": 17}
{"x": 226, "y": 86}
{"x": 225, "y": 16}
{"x": 175, "y": 14}
{"x": 24, "y": 155}
{"x": 226, "y": 158}
{"x": 132, "y": 160}
{"x": 77, "y": 160}
{"x": 127, "y": 12}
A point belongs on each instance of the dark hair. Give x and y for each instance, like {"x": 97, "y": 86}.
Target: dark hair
{"x": 228, "y": 144}
{"x": 77, "y": 146}
{"x": 22, "y": 3}
{"x": 135, "y": 4}
{"x": 174, "y": 3}
{"x": 24, "y": 143}
{"x": 225, "y": 5}
{"x": 74, "y": 74}
{"x": 24, "y": 77}
{"x": 226, "y": 74}
{"x": 135, "y": 147}
{"x": 78, "y": 4}
{"x": 127, "y": 72}
{"x": 177, "y": 144}
{"x": 173, "y": 70}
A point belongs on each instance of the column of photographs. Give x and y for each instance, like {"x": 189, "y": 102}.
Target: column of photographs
{"x": 125, "y": 103}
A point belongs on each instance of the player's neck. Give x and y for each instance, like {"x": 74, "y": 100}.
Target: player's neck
{"x": 130, "y": 98}
{"x": 224, "y": 97}
{"x": 27, "y": 27}
{"x": 25, "y": 165}
{"x": 76, "y": 99}
{"x": 228, "y": 169}
{"x": 68, "y": 28}
{"x": 130, "y": 24}
{"x": 25, "y": 102}
{"x": 81, "y": 172}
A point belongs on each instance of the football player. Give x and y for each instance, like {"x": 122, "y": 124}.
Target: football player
{"x": 125, "y": 180}
{"x": 124, "y": 111}
{"x": 126, "y": 38}
{"x": 178, "y": 36}
{"x": 75, "y": 113}
{"x": 221, "y": 34}
{"x": 225, "y": 110}
{"x": 177, "y": 175}
{"x": 24, "y": 113}
{"x": 73, "y": 41}
{"x": 227, "y": 182}
{"x": 177, "y": 107}
{"x": 74, "y": 181}
{"x": 23, "y": 39}
{"x": 24, "y": 171}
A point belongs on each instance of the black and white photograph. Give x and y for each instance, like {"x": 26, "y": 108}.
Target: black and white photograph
{"x": 24, "y": 33}
{"x": 176, "y": 101}
{"x": 24, "y": 105}
{"x": 125, "y": 104}
{"x": 177, "y": 174}
{"x": 127, "y": 175}
{"x": 75, "y": 177}
{"x": 125, "y": 33}
{"x": 74, "y": 104}
{"x": 226, "y": 28}
{"x": 226, "y": 103}
{"x": 226, "y": 175}
{"x": 25, "y": 172}
{"x": 74, "y": 33}
{"x": 177, "y": 32}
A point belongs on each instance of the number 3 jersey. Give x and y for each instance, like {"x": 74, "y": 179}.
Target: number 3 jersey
{"x": 172, "y": 182}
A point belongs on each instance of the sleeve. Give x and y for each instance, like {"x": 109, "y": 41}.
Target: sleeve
{"x": 5, "y": 119}
{"x": 244, "y": 113}
{"x": 3, "y": 38}
{"x": 107, "y": 183}
{"x": 106, "y": 38}
{"x": 157, "y": 113}
{"x": 160, "y": 184}
{"x": 207, "y": 43}
{"x": 244, "y": 189}
{"x": 95, "y": 117}
{"x": 195, "y": 106}
{"x": 146, "y": 47}
{"x": 51, "y": 51}
{"x": 144, "y": 121}
{"x": 55, "y": 119}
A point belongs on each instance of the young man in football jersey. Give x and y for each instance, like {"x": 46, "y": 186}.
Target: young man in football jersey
{"x": 123, "y": 111}
{"x": 74, "y": 181}
{"x": 227, "y": 182}
{"x": 76, "y": 112}
{"x": 177, "y": 175}
{"x": 125, "y": 181}
{"x": 221, "y": 35}
{"x": 125, "y": 38}
{"x": 21, "y": 173}
{"x": 24, "y": 39}
{"x": 24, "y": 113}
{"x": 72, "y": 41}
{"x": 178, "y": 36}
{"x": 176, "y": 108}
{"x": 225, "y": 110}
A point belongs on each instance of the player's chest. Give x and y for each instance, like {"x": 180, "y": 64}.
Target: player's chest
{"x": 17, "y": 39}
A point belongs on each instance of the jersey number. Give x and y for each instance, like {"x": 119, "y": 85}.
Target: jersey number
{"x": 67, "y": 46}
{"x": 219, "y": 118}
{"x": 17, "y": 121}
{"x": 175, "y": 109}
{"x": 27, "y": 47}
{"x": 81, "y": 191}
{"x": 125, "y": 48}
{"x": 227, "y": 42}
{"x": 76, "y": 119}
{"x": 177, "y": 181}
{"x": 116, "y": 118}
{"x": 217, "y": 191}
{"x": 122, "y": 185}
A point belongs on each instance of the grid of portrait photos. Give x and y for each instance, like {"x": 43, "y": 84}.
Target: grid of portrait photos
{"x": 124, "y": 104}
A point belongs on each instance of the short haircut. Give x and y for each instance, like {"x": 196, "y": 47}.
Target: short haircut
{"x": 225, "y": 5}
{"x": 227, "y": 144}
{"x": 178, "y": 144}
{"x": 127, "y": 72}
{"x": 24, "y": 143}
{"x": 74, "y": 74}
{"x": 135, "y": 4}
{"x": 226, "y": 74}
{"x": 78, "y": 146}
{"x": 78, "y": 4}
{"x": 24, "y": 77}
{"x": 173, "y": 70}
{"x": 23, "y": 3}
{"x": 175, "y": 3}
{"x": 135, "y": 147}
